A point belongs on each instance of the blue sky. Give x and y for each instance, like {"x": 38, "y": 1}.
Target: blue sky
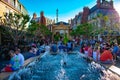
{"x": 67, "y": 8}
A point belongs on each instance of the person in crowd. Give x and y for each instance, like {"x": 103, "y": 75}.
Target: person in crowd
{"x": 31, "y": 52}
{"x": 82, "y": 49}
{"x": 54, "y": 47}
{"x": 81, "y": 43}
{"x": 93, "y": 42}
{"x": 115, "y": 50}
{"x": 96, "y": 54}
{"x": 118, "y": 53}
{"x": 104, "y": 46}
{"x": 85, "y": 49}
{"x": 90, "y": 50}
{"x": 61, "y": 47}
{"x": 106, "y": 56}
{"x": 20, "y": 56}
{"x": 47, "y": 48}
{"x": 34, "y": 49}
{"x": 69, "y": 46}
{"x": 42, "y": 48}
{"x": 14, "y": 63}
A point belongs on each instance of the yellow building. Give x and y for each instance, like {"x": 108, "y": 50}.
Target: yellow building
{"x": 8, "y": 6}
{"x": 62, "y": 28}
{"x": 11, "y": 6}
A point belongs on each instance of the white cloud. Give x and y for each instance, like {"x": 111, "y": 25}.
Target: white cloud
{"x": 117, "y": 7}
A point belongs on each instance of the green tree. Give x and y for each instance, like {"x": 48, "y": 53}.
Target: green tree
{"x": 57, "y": 36}
{"x": 33, "y": 27}
{"x": 37, "y": 30}
{"x": 73, "y": 32}
{"x": 16, "y": 24}
{"x": 65, "y": 39}
{"x": 83, "y": 29}
{"x": 44, "y": 30}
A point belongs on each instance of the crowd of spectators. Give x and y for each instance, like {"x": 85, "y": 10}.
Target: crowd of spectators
{"x": 101, "y": 51}
{"x": 16, "y": 61}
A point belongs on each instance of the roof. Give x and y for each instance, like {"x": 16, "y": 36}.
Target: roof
{"x": 36, "y": 19}
{"x": 61, "y": 22}
{"x": 94, "y": 8}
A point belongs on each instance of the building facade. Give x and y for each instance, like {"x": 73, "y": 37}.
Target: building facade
{"x": 10, "y": 6}
{"x": 76, "y": 21}
{"x": 42, "y": 19}
{"x": 62, "y": 28}
{"x": 102, "y": 14}
{"x": 13, "y": 6}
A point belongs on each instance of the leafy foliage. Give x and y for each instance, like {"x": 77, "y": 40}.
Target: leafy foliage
{"x": 65, "y": 40}
{"x": 83, "y": 29}
{"x": 33, "y": 27}
{"x": 36, "y": 29}
{"x": 57, "y": 36}
{"x": 16, "y": 24}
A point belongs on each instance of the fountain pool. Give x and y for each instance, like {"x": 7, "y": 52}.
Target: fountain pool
{"x": 63, "y": 67}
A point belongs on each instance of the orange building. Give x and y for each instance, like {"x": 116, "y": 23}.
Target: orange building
{"x": 10, "y": 6}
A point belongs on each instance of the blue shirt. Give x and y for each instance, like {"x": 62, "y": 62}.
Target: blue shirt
{"x": 15, "y": 62}
{"x": 115, "y": 49}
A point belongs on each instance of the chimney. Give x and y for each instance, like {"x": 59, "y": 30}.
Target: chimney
{"x": 111, "y": 3}
{"x": 98, "y": 3}
{"x": 34, "y": 16}
{"x": 85, "y": 15}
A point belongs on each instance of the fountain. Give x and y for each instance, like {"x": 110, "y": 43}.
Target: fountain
{"x": 63, "y": 66}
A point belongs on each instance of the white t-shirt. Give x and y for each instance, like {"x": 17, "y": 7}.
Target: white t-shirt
{"x": 47, "y": 48}
{"x": 21, "y": 59}
{"x": 95, "y": 56}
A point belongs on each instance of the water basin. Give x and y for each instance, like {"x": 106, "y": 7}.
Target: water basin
{"x": 63, "y": 67}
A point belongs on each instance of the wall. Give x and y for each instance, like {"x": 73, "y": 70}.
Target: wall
{"x": 2, "y": 8}
{"x": 0, "y": 38}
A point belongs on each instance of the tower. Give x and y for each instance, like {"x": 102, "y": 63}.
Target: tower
{"x": 85, "y": 15}
{"x": 42, "y": 18}
{"x": 56, "y": 15}
{"x": 34, "y": 16}
{"x": 111, "y": 3}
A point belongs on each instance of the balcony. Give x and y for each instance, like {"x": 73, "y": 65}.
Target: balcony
{"x": 13, "y": 4}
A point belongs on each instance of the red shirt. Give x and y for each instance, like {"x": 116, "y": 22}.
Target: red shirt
{"x": 89, "y": 51}
{"x": 106, "y": 55}
{"x": 86, "y": 48}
